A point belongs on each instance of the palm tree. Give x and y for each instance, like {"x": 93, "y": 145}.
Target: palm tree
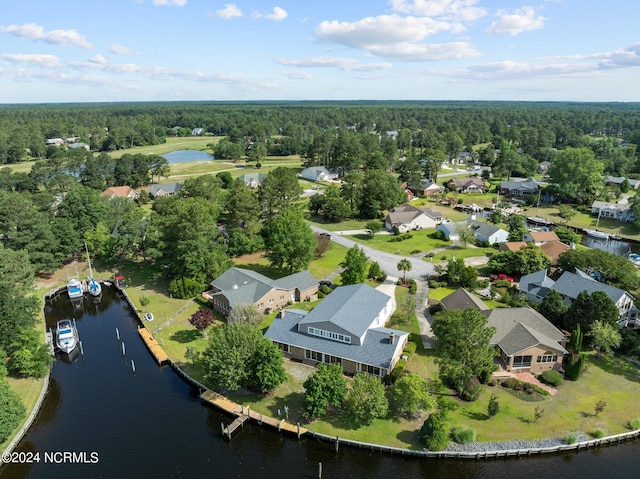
{"x": 404, "y": 265}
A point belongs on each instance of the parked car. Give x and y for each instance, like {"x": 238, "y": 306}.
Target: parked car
{"x": 501, "y": 276}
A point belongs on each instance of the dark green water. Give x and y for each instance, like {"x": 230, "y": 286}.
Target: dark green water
{"x": 152, "y": 424}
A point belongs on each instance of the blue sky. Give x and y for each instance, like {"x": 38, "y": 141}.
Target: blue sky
{"x": 153, "y": 50}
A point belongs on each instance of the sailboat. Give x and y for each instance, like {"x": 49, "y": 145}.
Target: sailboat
{"x": 94, "y": 287}
{"x": 595, "y": 233}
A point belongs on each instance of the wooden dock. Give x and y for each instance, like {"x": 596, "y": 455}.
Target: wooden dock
{"x": 156, "y": 351}
{"x": 243, "y": 414}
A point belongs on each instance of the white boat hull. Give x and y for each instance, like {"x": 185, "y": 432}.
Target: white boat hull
{"x": 74, "y": 288}
{"x": 66, "y": 336}
{"x": 94, "y": 288}
{"x": 597, "y": 234}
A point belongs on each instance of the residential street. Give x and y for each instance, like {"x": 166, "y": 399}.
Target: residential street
{"x": 388, "y": 262}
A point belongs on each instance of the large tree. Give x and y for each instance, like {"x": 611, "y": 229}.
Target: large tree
{"x": 290, "y": 242}
{"x": 605, "y": 337}
{"x": 325, "y": 387}
{"x": 366, "y": 399}
{"x": 13, "y": 411}
{"x": 410, "y": 395}
{"x": 463, "y": 351}
{"x": 356, "y": 266}
{"x": 587, "y": 308}
{"x": 238, "y": 356}
{"x": 577, "y": 174}
{"x": 278, "y": 191}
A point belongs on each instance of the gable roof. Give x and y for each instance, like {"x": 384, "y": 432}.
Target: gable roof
{"x": 512, "y": 246}
{"x": 528, "y": 185}
{"x": 352, "y": 308}
{"x": 462, "y": 299}
{"x": 537, "y": 284}
{"x": 466, "y": 182}
{"x": 244, "y": 286}
{"x": 248, "y": 178}
{"x": 553, "y": 249}
{"x": 572, "y": 284}
{"x": 119, "y": 191}
{"x": 518, "y": 329}
{"x": 484, "y": 229}
{"x": 605, "y": 205}
{"x": 168, "y": 188}
{"x": 539, "y": 236}
{"x": 403, "y": 214}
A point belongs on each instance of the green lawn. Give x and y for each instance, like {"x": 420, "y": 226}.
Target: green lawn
{"x": 28, "y": 389}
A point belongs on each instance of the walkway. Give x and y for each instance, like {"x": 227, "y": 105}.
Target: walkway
{"x": 168, "y": 321}
{"x": 423, "y": 315}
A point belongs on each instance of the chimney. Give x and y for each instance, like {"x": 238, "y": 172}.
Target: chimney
{"x": 234, "y": 286}
{"x": 281, "y": 313}
{"x": 392, "y": 338}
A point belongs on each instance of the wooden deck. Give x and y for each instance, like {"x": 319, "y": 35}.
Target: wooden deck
{"x": 156, "y": 351}
{"x": 243, "y": 414}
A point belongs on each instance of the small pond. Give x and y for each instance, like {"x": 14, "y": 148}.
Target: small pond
{"x": 185, "y": 156}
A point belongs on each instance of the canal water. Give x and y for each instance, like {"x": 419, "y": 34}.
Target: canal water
{"x": 184, "y": 156}
{"x": 152, "y": 425}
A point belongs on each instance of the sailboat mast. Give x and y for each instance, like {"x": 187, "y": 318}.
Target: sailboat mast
{"x": 88, "y": 259}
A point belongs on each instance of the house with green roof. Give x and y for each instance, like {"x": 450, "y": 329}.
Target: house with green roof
{"x": 347, "y": 328}
{"x": 243, "y": 286}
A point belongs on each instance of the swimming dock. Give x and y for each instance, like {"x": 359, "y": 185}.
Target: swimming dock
{"x": 156, "y": 351}
{"x": 243, "y": 414}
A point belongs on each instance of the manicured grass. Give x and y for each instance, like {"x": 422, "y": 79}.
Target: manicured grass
{"x": 346, "y": 225}
{"x": 28, "y": 389}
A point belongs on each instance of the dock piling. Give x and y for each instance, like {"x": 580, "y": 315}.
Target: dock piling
{"x": 133, "y": 366}
{"x": 124, "y": 351}
{"x": 81, "y": 349}
{"x": 117, "y": 334}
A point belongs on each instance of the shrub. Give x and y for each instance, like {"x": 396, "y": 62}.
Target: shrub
{"x": 635, "y": 423}
{"x": 502, "y": 283}
{"x": 413, "y": 287}
{"x": 433, "y": 431}
{"x": 553, "y": 378}
{"x": 410, "y": 348}
{"x": 321, "y": 295}
{"x": 571, "y": 438}
{"x": 463, "y": 435}
{"x": 415, "y": 251}
{"x": 184, "y": 288}
{"x": 326, "y": 289}
{"x": 598, "y": 433}
{"x": 510, "y": 383}
{"x": 471, "y": 392}
{"x": 434, "y": 308}
{"x": 398, "y": 370}
{"x": 434, "y": 284}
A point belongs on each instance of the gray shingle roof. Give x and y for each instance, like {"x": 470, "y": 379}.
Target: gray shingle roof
{"x": 352, "y": 308}
{"x": 169, "y": 188}
{"x": 571, "y": 285}
{"x": 518, "y": 329}
{"x": 403, "y": 214}
{"x": 462, "y": 299}
{"x": 537, "y": 284}
{"x": 243, "y": 286}
{"x": 375, "y": 350}
{"x": 529, "y": 185}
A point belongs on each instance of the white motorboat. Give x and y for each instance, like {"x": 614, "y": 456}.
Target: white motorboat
{"x": 74, "y": 288}
{"x": 66, "y": 335}
{"x": 148, "y": 317}
{"x": 94, "y": 287}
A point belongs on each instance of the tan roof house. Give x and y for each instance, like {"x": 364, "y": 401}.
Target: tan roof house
{"x": 539, "y": 237}
{"x": 406, "y": 218}
{"x": 472, "y": 184}
{"x": 120, "y": 192}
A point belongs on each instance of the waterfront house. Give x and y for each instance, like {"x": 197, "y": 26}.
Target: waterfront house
{"x": 618, "y": 180}
{"x": 472, "y": 184}
{"x": 520, "y": 189}
{"x": 242, "y": 286}
{"x": 347, "y": 328}
{"x": 617, "y": 211}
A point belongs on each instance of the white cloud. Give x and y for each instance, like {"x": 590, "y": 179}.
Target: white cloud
{"x": 297, "y": 74}
{"x": 463, "y": 10}
{"x": 43, "y": 61}
{"x": 277, "y": 15}
{"x": 118, "y": 49}
{"x": 99, "y": 59}
{"x": 345, "y": 64}
{"x": 396, "y": 37}
{"x": 521, "y": 20}
{"x": 34, "y": 31}
{"x": 176, "y": 3}
{"x": 229, "y": 11}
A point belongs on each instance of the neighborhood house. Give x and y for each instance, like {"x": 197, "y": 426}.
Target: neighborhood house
{"x": 317, "y": 173}
{"x": 242, "y": 286}
{"x": 346, "y": 328}
{"x": 617, "y": 211}
{"x": 164, "y": 189}
{"x": 253, "y": 180}
{"x": 483, "y": 232}
{"x": 407, "y": 218}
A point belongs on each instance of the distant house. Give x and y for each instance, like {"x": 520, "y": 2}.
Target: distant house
{"x": 242, "y": 286}
{"x": 75, "y": 146}
{"x": 483, "y": 232}
{"x": 526, "y": 340}
{"x": 392, "y": 134}
{"x": 536, "y": 286}
{"x": 120, "y": 192}
{"x": 520, "y": 189}
{"x": 426, "y": 187}
{"x": 197, "y": 131}
{"x": 617, "y": 211}
{"x": 317, "y": 173}
{"x": 539, "y": 237}
{"x": 54, "y": 141}
{"x": 472, "y": 184}
{"x": 346, "y": 328}
{"x": 618, "y": 180}
{"x": 164, "y": 189}
{"x": 406, "y": 218}
{"x": 543, "y": 167}
{"x": 253, "y": 180}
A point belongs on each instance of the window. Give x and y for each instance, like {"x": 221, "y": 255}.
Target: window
{"x": 284, "y": 347}
{"x": 315, "y": 355}
{"x": 547, "y": 358}
{"x": 521, "y": 361}
{"x": 343, "y": 338}
{"x": 367, "y": 368}
{"x": 332, "y": 359}
{"x": 281, "y": 297}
